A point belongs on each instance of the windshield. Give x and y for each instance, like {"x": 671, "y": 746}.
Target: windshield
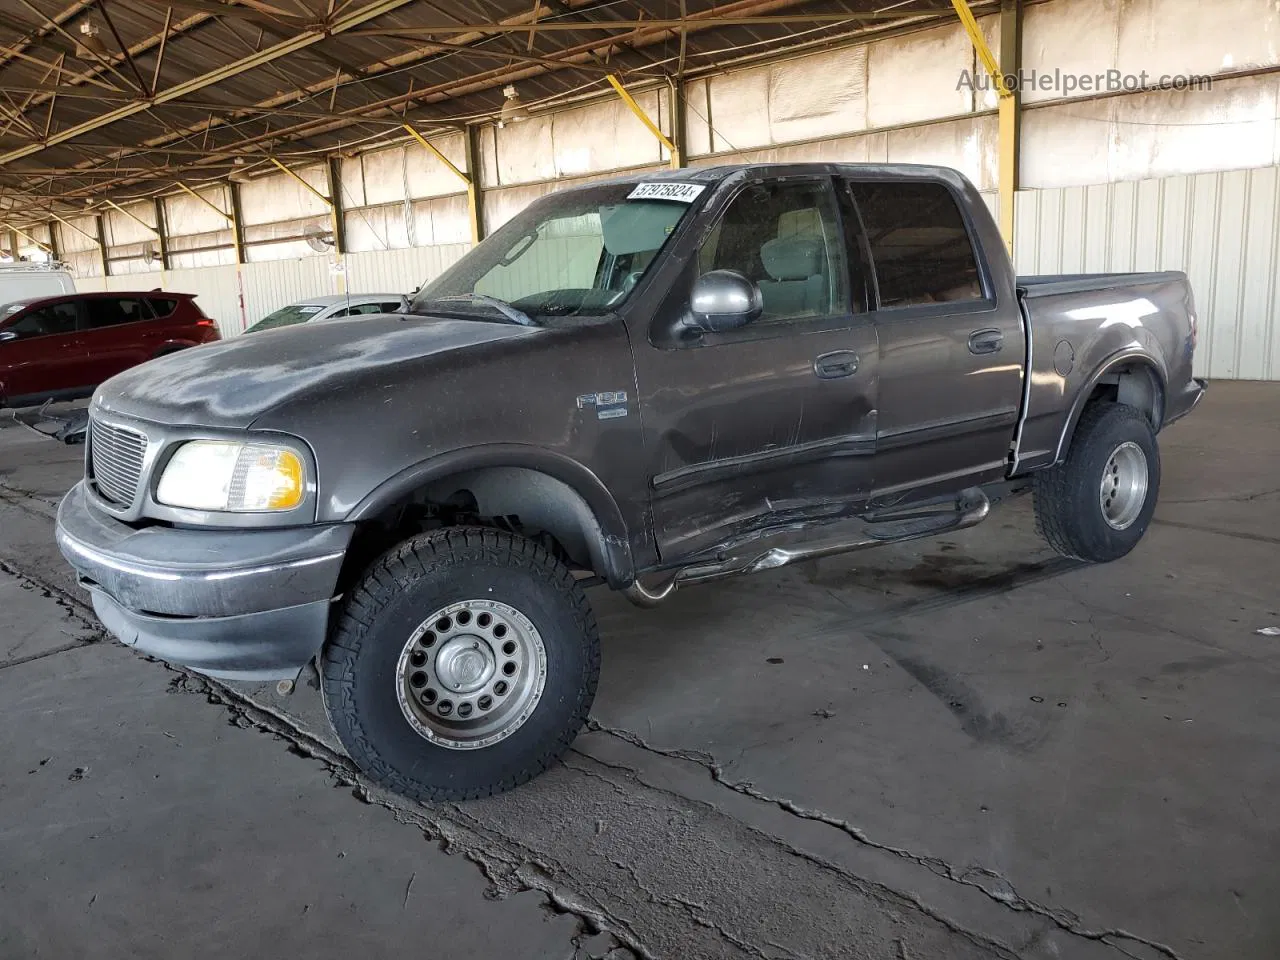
{"x": 14, "y": 307}
{"x": 286, "y": 316}
{"x": 570, "y": 254}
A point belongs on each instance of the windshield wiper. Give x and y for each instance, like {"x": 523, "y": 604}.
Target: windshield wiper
{"x": 504, "y": 308}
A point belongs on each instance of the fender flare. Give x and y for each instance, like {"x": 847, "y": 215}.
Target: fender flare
{"x": 1132, "y": 355}
{"x": 615, "y": 548}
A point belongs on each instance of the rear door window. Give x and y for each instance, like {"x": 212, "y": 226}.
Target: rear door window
{"x": 112, "y": 311}
{"x": 919, "y": 243}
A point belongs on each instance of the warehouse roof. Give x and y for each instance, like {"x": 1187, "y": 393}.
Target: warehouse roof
{"x": 123, "y": 97}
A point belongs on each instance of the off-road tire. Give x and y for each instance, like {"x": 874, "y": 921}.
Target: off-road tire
{"x": 1069, "y": 514}
{"x": 358, "y": 666}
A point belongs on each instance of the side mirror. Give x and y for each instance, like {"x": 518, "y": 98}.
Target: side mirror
{"x": 404, "y": 304}
{"x": 8, "y": 335}
{"x": 723, "y": 300}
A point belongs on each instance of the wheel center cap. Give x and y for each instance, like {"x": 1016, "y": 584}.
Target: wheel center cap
{"x": 465, "y": 664}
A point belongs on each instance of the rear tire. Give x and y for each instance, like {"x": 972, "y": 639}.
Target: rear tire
{"x": 463, "y": 664}
{"x": 1097, "y": 504}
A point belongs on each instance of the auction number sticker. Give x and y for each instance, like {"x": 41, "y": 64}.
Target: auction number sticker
{"x": 680, "y": 192}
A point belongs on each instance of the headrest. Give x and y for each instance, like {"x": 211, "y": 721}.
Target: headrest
{"x": 793, "y": 258}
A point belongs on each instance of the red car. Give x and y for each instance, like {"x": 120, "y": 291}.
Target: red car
{"x": 62, "y": 347}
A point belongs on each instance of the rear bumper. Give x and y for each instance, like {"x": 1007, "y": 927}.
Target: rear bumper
{"x": 238, "y": 604}
{"x": 1182, "y": 403}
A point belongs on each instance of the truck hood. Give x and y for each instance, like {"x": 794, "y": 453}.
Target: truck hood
{"x": 232, "y": 383}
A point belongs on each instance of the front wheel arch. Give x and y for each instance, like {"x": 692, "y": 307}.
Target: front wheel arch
{"x": 547, "y": 491}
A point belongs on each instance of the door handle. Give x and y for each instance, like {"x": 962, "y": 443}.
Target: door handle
{"x": 986, "y": 341}
{"x": 832, "y": 366}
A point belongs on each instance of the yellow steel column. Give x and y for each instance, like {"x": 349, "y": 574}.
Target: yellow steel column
{"x": 26, "y": 236}
{"x": 673, "y": 150}
{"x": 1010, "y": 62}
{"x": 1010, "y": 114}
{"x": 237, "y": 236}
{"x": 102, "y": 245}
{"x": 468, "y": 177}
{"x": 335, "y": 221}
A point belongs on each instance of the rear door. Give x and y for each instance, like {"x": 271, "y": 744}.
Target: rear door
{"x": 45, "y": 354}
{"x": 951, "y": 357}
{"x": 119, "y": 333}
{"x": 774, "y": 421}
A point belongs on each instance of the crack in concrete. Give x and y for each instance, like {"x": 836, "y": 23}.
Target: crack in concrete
{"x": 24, "y": 500}
{"x": 72, "y": 606}
{"x": 896, "y": 899}
{"x": 989, "y": 882}
{"x": 1234, "y": 498}
{"x": 508, "y": 872}
{"x": 65, "y": 648}
{"x": 1199, "y": 528}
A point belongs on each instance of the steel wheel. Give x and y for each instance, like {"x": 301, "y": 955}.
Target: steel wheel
{"x": 471, "y": 674}
{"x": 1123, "y": 490}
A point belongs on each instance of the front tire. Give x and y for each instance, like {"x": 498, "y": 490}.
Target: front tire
{"x": 463, "y": 665}
{"x": 1097, "y": 504}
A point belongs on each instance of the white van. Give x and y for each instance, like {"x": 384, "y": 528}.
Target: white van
{"x": 27, "y": 281}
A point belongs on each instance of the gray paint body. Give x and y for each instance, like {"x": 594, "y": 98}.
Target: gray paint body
{"x": 698, "y": 441}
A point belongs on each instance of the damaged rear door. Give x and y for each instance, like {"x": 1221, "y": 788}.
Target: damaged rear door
{"x": 775, "y": 420}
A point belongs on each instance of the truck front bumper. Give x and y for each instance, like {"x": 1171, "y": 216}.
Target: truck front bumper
{"x": 238, "y": 604}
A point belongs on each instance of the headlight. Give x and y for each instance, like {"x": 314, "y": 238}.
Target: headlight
{"x": 230, "y": 476}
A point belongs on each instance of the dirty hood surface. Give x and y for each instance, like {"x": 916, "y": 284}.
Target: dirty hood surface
{"x": 233, "y": 382}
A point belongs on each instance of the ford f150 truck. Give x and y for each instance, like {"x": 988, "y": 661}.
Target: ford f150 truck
{"x": 646, "y": 383}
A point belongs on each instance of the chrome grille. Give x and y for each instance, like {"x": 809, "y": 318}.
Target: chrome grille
{"x": 115, "y": 457}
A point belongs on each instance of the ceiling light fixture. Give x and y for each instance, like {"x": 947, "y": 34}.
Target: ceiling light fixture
{"x": 513, "y": 108}
{"x": 89, "y": 46}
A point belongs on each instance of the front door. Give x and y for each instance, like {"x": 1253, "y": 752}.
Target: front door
{"x": 774, "y": 421}
{"x": 951, "y": 351}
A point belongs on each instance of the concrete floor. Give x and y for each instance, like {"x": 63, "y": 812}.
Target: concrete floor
{"x": 955, "y": 748}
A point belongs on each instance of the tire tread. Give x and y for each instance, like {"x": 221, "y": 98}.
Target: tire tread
{"x": 401, "y": 566}
{"x": 1058, "y": 489}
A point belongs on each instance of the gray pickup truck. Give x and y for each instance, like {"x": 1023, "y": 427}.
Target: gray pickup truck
{"x": 645, "y": 383}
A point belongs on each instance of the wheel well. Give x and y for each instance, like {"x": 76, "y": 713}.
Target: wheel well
{"x": 517, "y": 499}
{"x": 1136, "y": 385}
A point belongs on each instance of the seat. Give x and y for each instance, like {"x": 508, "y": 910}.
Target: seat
{"x": 797, "y": 266}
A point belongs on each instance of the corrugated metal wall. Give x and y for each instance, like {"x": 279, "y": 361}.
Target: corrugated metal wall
{"x": 400, "y": 271}
{"x": 1221, "y": 228}
{"x": 272, "y": 284}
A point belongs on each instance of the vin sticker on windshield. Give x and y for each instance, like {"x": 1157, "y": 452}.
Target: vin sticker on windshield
{"x": 680, "y": 192}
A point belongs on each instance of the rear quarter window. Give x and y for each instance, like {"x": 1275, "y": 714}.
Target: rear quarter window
{"x": 163, "y": 306}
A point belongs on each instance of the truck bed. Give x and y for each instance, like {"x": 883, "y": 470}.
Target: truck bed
{"x": 1051, "y": 284}
{"x": 1081, "y": 325}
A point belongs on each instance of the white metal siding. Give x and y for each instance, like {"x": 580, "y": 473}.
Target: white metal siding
{"x": 400, "y": 271}
{"x": 217, "y": 291}
{"x": 1221, "y": 228}
{"x": 273, "y": 284}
